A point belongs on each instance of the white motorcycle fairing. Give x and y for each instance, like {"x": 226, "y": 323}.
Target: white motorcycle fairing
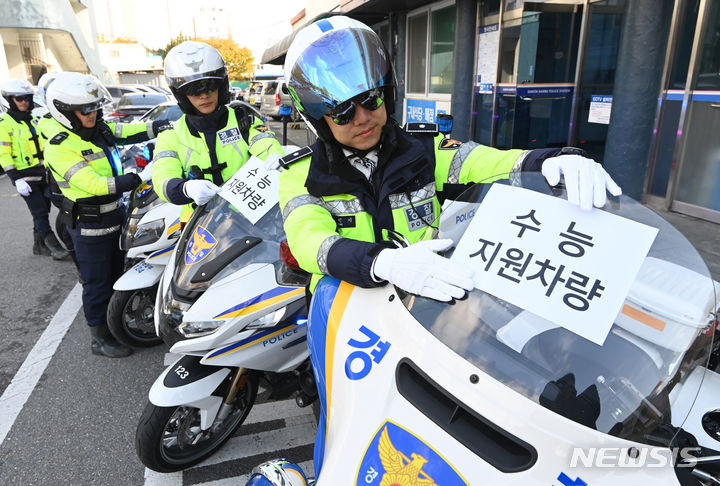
{"x": 168, "y": 213}
{"x": 186, "y": 382}
{"x": 382, "y": 370}
{"x": 242, "y": 304}
{"x": 140, "y": 276}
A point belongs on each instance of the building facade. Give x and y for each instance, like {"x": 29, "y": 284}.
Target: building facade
{"x": 634, "y": 83}
{"x": 40, "y": 36}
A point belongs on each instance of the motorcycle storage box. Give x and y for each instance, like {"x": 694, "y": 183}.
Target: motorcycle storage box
{"x": 668, "y": 304}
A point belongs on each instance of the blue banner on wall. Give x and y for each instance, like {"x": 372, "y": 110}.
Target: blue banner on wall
{"x": 421, "y": 111}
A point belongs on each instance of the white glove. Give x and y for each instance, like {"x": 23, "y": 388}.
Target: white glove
{"x": 23, "y": 188}
{"x": 585, "y": 180}
{"x": 418, "y": 270}
{"x": 200, "y": 190}
{"x": 146, "y": 173}
{"x": 272, "y": 162}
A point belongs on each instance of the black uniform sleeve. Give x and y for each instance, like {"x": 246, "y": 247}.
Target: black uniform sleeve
{"x": 127, "y": 182}
{"x": 174, "y": 191}
{"x": 351, "y": 260}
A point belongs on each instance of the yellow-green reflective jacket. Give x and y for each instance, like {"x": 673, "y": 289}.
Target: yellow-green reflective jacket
{"x": 21, "y": 147}
{"x": 81, "y": 168}
{"x": 335, "y": 219}
{"x": 179, "y": 150}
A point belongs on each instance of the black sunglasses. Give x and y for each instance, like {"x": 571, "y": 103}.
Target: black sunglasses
{"x": 344, "y": 113}
{"x": 27, "y": 98}
{"x": 197, "y": 88}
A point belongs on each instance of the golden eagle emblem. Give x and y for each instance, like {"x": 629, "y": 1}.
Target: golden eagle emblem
{"x": 199, "y": 244}
{"x": 399, "y": 470}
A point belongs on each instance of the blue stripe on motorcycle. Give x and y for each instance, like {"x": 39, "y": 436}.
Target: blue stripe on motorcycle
{"x": 268, "y": 333}
{"x": 317, "y": 332}
{"x": 245, "y": 307}
{"x": 161, "y": 252}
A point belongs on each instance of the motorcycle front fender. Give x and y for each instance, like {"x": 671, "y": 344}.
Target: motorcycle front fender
{"x": 140, "y": 276}
{"x": 187, "y": 382}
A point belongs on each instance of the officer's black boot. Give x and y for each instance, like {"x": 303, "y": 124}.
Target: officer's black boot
{"x": 56, "y": 249}
{"x": 104, "y": 344}
{"x": 39, "y": 247}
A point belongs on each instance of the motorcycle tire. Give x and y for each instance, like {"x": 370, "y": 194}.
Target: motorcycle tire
{"x": 130, "y": 317}
{"x": 167, "y": 439}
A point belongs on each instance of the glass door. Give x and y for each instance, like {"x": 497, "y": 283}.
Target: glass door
{"x": 537, "y": 73}
{"x": 696, "y": 189}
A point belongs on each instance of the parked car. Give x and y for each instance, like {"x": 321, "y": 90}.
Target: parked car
{"x": 117, "y": 91}
{"x": 274, "y": 95}
{"x": 134, "y": 105}
{"x": 138, "y": 155}
{"x": 253, "y": 94}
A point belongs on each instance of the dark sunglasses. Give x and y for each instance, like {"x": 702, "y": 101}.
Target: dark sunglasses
{"x": 199, "y": 87}
{"x": 27, "y": 98}
{"x": 87, "y": 109}
{"x": 344, "y": 113}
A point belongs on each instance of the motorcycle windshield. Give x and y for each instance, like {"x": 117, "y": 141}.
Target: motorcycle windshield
{"x": 625, "y": 387}
{"x": 219, "y": 241}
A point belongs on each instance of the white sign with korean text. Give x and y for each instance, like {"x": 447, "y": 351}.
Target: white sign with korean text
{"x": 541, "y": 253}
{"x": 600, "y": 109}
{"x": 252, "y": 190}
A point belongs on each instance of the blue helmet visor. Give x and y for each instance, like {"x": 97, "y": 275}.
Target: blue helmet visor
{"x": 337, "y": 67}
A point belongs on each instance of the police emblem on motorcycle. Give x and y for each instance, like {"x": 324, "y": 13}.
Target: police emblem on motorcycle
{"x": 396, "y": 456}
{"x": 201, "y": 243}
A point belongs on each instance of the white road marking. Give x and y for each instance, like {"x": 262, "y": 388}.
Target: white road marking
{"x": 153, "y": 478}
{"x": 25, "y": 380}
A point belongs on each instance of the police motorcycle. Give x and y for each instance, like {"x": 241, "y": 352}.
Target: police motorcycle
{"x": 484, "y": 391}
{"x": 148, "y": 238}
{"x": 232, "y": 303}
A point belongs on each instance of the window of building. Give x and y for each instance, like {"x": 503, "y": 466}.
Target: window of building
{"x": 436, "y": 76}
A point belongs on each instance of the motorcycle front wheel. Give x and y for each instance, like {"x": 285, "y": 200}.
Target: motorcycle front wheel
{"x": 170, "y": 439}
{"x": 130, "y": 317}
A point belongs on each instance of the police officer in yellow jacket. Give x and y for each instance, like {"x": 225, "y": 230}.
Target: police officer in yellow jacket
{"x": 367, "y": 181}
{"x": 84, "y": 160}
{"x": 211, "y": 141}
{"x": 366, "y": 178}
{"x": 21, "y": 156}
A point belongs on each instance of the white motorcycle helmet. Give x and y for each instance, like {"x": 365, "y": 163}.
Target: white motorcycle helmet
{"x": 71, "y": 92}
{"x": 15, "y": 87}
{"x": 44, "y": 83}
{"x": 278, "y": 472}
{"x": 333, "y": 60}
{"x": 192, "y": 68}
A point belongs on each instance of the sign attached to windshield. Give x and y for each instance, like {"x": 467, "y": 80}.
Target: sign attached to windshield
{"x": 252, "y": 190}
{"x": 551, "y": 258}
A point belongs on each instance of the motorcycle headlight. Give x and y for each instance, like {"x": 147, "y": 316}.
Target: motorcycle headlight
{"x": 147, "y": 233}
{"x": 268, "y": 320}
{"x": 198, "y": 328}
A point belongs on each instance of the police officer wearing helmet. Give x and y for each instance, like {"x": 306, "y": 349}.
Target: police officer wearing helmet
{"x": 211, "y": 141}
{"x": 21, "y": 156}
{"x": 367, "y": 179}
{"x": 45, "y": 124}
{"x": 84, "y": 160}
